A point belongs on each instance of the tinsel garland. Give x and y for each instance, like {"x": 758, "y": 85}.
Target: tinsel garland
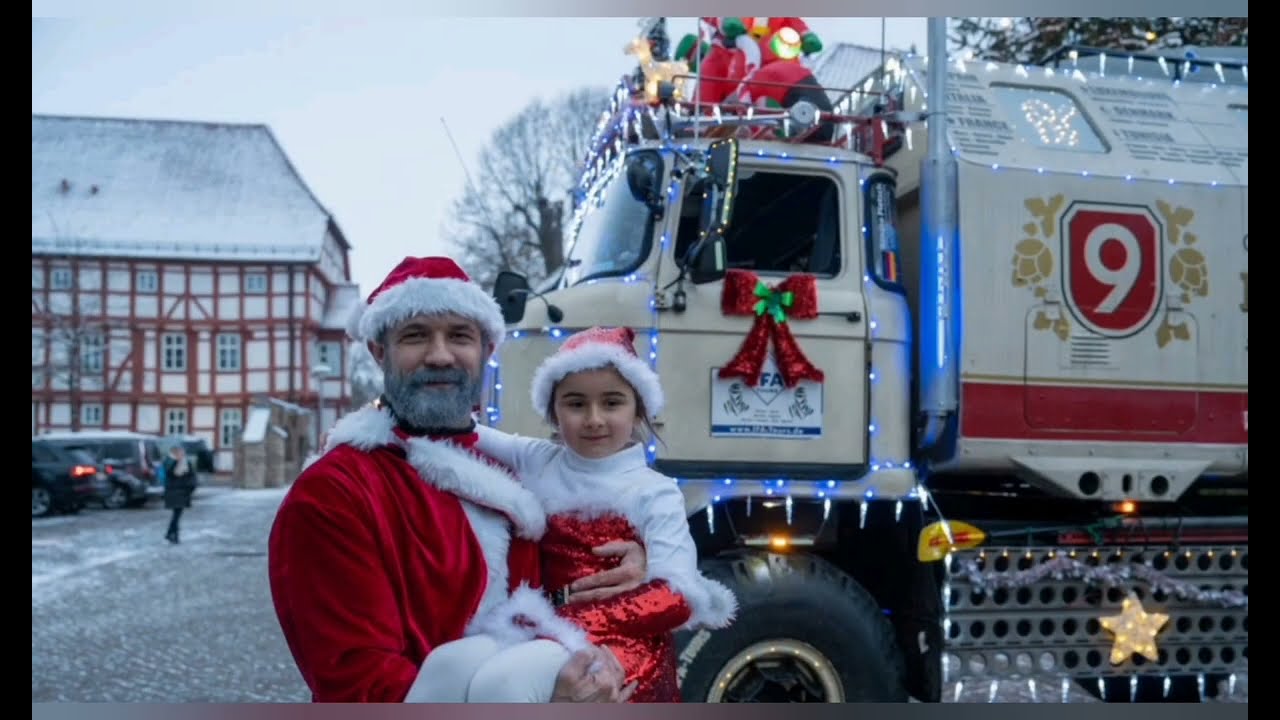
{"x": 1065, "y": 568}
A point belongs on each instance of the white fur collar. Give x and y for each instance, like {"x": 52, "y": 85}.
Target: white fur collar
{"x": 632, "y": 495}
{"x": 446, "y": 466}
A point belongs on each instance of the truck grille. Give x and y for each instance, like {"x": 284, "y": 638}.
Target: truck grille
{"x": 1008, "y": 618}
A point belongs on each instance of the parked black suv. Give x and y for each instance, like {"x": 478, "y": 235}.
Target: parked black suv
{"x": 63, "y": 479}
{"x": 130, "y": 461}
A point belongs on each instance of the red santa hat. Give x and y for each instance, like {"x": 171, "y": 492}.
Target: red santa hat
{"x": 426, "y": 286}
{"x": 594, "y": 349}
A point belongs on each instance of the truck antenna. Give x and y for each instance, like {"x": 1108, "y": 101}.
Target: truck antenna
{"x": 471, "y": 186}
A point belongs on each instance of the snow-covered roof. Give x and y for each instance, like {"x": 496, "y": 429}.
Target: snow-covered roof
{"x": 841, "y": 66}
{"x": 169, "y": 189}
{"x": 341, "y": 303}
{"x": 255, "y": 430}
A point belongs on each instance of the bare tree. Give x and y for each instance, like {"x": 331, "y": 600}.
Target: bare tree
{"x": 512, "y": 216}
{"x": 69, "y": 332}
{"x": 365, "y": 375}
{"x": 1030, "y": 39}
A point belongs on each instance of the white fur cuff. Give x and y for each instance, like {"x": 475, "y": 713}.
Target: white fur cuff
{"x": 713, "y": 604}
{"x": 504, "y": 622}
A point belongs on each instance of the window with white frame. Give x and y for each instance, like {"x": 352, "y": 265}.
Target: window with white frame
{"x": 175, "y": 351}
{"x": 60, "y": 279}
{"x": 329, "y": 357}
{"x": 232, "y": 423}
{"x": 92, "y": 350}
{"x": 38, "y": 359}
{"x": 91, "y": 415}
{"x": 148, "y": 281}
{"x": 175, "y": 421}
{"x": 255, "y": 283}
{"x": 228, "y": 351}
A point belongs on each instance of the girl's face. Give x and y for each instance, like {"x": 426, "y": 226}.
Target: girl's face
{"x": 596, "y": 412}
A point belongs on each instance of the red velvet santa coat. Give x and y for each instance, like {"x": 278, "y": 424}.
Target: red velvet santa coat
{"x": 593, "y": 501}
{"x": 387, "y": 547}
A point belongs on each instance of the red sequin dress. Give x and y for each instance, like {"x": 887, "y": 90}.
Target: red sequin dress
{"x": 636, "y": 625}
{"x": 590, "y": 502}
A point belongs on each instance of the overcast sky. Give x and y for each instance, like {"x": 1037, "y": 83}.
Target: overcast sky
{"x": 356, "y": 104}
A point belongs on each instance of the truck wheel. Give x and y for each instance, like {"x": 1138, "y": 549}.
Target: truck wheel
{"x": 805, "y": 632}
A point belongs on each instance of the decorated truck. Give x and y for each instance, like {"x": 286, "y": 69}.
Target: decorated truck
{"x": 956, "y": 362}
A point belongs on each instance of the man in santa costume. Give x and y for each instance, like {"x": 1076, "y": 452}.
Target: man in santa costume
{"x": 400, "y": 533}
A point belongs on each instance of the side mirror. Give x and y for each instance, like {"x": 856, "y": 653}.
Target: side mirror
{"x": 644, "y": 175}
{"x": 511, "y": 290}
{"x": 721, "y": 188}
{"x": 709, "y": 260}
{"x": 722, "y": 163}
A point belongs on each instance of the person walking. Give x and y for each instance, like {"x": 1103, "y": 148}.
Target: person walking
{"x": 180, "y": 483}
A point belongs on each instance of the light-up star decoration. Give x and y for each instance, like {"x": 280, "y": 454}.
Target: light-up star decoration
{"x": 1135, "y": 631}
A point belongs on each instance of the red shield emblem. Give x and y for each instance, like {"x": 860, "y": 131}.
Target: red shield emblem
{"x": 1111, "y": 270}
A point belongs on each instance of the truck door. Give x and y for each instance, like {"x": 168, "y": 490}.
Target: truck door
{"x": 789, "y": 220}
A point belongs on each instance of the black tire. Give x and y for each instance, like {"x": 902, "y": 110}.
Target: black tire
{"x": 810, "y": 624}
{"x": 41, "y": 501}
{"x": 117, "y": 498}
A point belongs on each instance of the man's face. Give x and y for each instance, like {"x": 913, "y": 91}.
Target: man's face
{"x": 432, "y": 369}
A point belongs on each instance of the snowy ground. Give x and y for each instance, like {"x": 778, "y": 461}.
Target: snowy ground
{"x": 120, "y": 615}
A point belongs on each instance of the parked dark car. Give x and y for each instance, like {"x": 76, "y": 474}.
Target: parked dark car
{"x": 63, "y": 479}
{"x": 130, "y": 462}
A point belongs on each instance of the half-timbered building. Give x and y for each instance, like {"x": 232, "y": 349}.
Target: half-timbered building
{"x": 179, "y": 270}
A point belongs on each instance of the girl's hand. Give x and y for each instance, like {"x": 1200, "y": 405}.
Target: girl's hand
{"x": 628, "y": 575}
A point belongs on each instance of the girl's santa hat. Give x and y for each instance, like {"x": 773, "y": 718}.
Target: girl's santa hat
{"x": 594, "y": 349}
{"x": 426, "y": 286}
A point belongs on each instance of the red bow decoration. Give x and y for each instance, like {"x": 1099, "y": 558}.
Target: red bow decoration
{"x": 795, "y": 298}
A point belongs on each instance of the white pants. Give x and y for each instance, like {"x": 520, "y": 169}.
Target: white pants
{"x": 477, "y": 669}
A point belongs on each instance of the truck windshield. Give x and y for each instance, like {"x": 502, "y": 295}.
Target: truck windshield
{"x": 614, "y": 236}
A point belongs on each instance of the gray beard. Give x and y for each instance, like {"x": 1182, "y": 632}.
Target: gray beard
{"x": 424, "y": 407}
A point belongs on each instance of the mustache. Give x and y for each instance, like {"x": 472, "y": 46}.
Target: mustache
{"x": 428, "y": 376}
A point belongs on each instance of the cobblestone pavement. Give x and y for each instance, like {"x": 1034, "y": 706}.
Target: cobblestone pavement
{"x": 120, "y": 615}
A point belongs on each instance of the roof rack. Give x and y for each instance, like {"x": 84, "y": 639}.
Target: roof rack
{"x": 631, "y": 119}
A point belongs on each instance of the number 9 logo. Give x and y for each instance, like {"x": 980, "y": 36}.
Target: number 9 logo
{"x": 1112, "y": 269}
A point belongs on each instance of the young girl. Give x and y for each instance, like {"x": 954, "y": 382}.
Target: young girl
{"x": 596, "y": 487}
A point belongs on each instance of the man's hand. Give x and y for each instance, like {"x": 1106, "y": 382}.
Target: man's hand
{"x": 628, "y": 575}
{"x": 592, "y": 675}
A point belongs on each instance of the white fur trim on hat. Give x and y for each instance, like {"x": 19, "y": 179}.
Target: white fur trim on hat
{"x": 427, "y": 296}
{"x": 594, "y": 356}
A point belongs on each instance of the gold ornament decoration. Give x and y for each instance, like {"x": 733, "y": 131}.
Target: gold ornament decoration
{"x": 1135, "y": 631}
{"x": 1188, "y": 269}
{"x": 1033, "y": 260}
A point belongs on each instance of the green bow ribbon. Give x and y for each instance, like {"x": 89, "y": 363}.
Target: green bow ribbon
{"x": 773, "y": 302}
